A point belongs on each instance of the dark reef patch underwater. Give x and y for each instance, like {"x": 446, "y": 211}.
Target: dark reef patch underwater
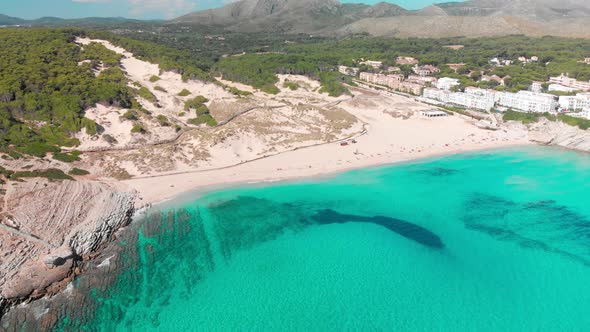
{"x": 481, "y": 242}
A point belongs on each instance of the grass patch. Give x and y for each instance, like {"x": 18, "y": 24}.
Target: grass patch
{"x": 50, "y": 174}
{"x": 67, "y": 157}
{"x": 146, "y": 94}
{"x": 138, "y": 129}
{"x": 78, "y": 172}
{"x": 293, "y": 86}
{"x": 583, "y": 124}
{"x": 203, "y": 119}
{"x": 163, "y": 120}
{"x": 184, "y": 93}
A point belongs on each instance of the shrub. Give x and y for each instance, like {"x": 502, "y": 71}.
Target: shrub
{"x": 78, "y": 172}
{"x": 154, "y": 78}
{"x": 159, "y": 88}
{"x": 51, "y": 174}
{"x": 184, "y": 93}
{"x": 238, "y": 92}
{"x": 291, "y": 85}
{"x": 90, "y": 126}
{"x": 202, "y": 110}
{"x": 203, "y": 119}
{"x": 67, "y": 157}
{"x": 38, "y": 149}
{"x": 195, "y": 103}
{"x": 583, "y": 124}
{"x": 146, "y": 94}
{"x": 163, "y": 120}
{"x": 138, "y": 129}
{"x": 270, "y": 89}
{"x": 523, "y": 117}
{"x": 130, "y": 115}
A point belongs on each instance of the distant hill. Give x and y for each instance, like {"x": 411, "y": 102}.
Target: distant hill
{"x": 56, "y": 21}
{"x": 289, "y": 16}
{"x": 8, "y": 20}
{"x": 470, "y": 18}
{"x": 534, "y": 9}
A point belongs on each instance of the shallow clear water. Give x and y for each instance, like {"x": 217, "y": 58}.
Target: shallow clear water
{"x": 491, "y": 241}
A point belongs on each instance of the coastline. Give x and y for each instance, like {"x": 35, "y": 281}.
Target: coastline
{"x": 154, "y": 191}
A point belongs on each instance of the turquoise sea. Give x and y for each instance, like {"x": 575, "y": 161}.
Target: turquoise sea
{"x": 487, "y": 241}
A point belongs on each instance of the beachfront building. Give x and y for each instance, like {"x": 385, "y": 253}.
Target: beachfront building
{"x": 350, "y": 71}
{"x": 447, "y": 83}
{"x": 433, "y": 114}
{"x": 579, "y": 102}
{"x": 564, "y": 80}
{"x": 472, "y": 98}
{"x": 426, "y": 70}
{"x": 409, "y": 87}
{"x": 391, "y": 81}
{"x": 561, "y": 88}
{"x": 422, "y": 80}
{"x": 437, "y": 94}
{"x": 527, "y": 101}
{"x": 372, "y": 64}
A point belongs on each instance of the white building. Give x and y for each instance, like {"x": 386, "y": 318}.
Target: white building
{"x": 561, "y": 88}
{"x": 436, "y": 94}
{"x": 570, "y": 82}
{"x": 447, "y": 83}
{"x": 350, "y": 71}
{"x": 579, "y": 102}
{"x": 473, "y": 98}
{"x": 372, "y": 64}
{"x": 527, "y": 101}
{"x": 391, "y": 81}
{"x": 537, "y": 87}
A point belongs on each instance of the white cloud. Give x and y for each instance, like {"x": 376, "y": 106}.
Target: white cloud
{"x": 170, "y": 8}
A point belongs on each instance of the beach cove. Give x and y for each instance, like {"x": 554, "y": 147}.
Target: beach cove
{"x": 484, "y": 240}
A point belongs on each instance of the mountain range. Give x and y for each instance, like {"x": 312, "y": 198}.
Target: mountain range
{"x": 470, "y": 18}
{"x": 56, "y": 21}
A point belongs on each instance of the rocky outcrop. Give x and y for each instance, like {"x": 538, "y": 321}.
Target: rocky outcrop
{"x": 560, "y": 134}
{"x": 48, "y": 226}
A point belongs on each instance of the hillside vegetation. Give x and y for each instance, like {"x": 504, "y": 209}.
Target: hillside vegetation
{"x": 45, "y": 86}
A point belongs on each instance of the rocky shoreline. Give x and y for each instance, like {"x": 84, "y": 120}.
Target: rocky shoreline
{"x": 52, "y": 229}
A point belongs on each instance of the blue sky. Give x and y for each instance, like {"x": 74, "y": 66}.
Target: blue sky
{"x": 145, "y": 9}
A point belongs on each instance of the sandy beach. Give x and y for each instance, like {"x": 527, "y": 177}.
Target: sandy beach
{"x": 388, "y": 138}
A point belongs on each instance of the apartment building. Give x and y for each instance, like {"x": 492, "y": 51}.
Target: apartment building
{"x": 426, "y": 70}
{"x": 472, "y": 98}
{"x": 579, "y": 102}
{"x": 527, "y": 101}
{"x": 350, "y": 71}
{"x": 564, "y": 80}
{"x": 447, "y": 83}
